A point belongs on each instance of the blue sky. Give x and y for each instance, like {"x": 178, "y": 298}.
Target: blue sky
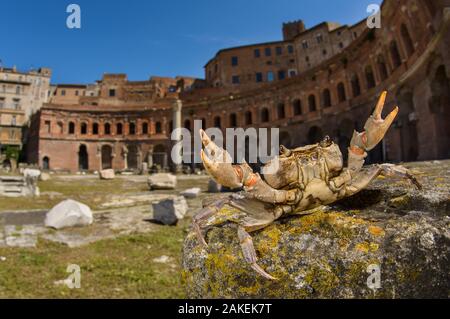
{"x": 149, "y": 37}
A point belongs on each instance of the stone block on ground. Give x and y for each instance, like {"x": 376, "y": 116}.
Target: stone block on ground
{"x": 69, "y": 213}
{"x": 170, "y": 211}
{"x": 191, "y": 192}
{"x": 44, "y": 177}
{"x": 329, "y": 253}
{"x": 162, "y": 181}
{"x": 107, "y": 174}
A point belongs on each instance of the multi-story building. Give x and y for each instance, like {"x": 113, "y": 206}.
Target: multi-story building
{"x": 21, "y": 95}
{"x": 323, "y": 80}
{"x": 114, "y": 123}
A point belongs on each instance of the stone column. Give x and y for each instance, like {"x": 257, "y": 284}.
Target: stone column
{"x": 177, "y": 106}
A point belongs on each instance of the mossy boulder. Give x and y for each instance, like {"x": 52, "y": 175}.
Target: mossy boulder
{"x": 405, "y": 233}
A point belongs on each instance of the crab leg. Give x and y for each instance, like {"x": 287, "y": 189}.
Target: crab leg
{"x": 374, "y": 131}
{"x": 203, "y": 215}
{"x": 249, "y": 253}
{"x": 217, "y": 163}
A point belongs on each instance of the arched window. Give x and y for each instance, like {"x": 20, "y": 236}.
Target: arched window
{"x": 356, "y": 88}
{"x": 297, "y": 107}
{"x": 265, "y": 115}
{"x": 382, "y": 69}
{"x": 71, "y": 128}
{"x": 312, "y": 103}
{"x": 145, "y": 128}
{"x": 95, "y": 128}
{"x": 395, "y": 54}
{"x": 341, "y": 92}
{"x": 83, "y": 128}
{"x": 107, "y": 129}
{"x": 60, "y": 127}
{"x": 281, "y": 111}
{"x": 217, "y": 122}
{"x": 326, "y": 98}
{"x": 233, "y": 120}
{"x": 407, "y": 41}
{"x": 132, "y": 128}
{"x": 158, "y": 128}
{"x": 248, "y": 118}
{"x": 119, "y": 129}
{"x": 370, "y": 78}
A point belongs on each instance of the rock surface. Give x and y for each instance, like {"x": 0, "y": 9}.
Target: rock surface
{"x": 44, "y": 177}
{"x": 162, "y": 181}
{"x": 214, "y": 187}
{"x": 69, "y": 213}
{"x": 191, "y": 192}
{"x": 327, "y": 254}
{"x": 107, "y": 174}
{"x": 170, "y": 211}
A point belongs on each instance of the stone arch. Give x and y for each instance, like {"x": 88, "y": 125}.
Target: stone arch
{"x": 312, "y": 103}
{"x": 341, "y": 92}
{"x": 395, "y": 54}
{"x": 248, "y": 118}
{"x": 370, "y": 77}
{"x": 83, "y": 158}
{"x": 107, "y": 129}
{"x": 439, "y": 107}
{"x": 107, "y": 156}
{"x": 356, "y": 87}
{"x": 95, "y": 128}
{"x": 326, "y": 98}
{"x": 265, "y": 115}
{"x": 84, "y": 128}
{"x": 60, "y": 126}
{"x": 119, "y": 129}
{"x": 233, "y": 120}
{"x": 297, "y": 107}
{"x": 382, "y": 68}
{"x": 218, "y": 122}
{"x": 315, "y": 135}
{"x": 158, "y": 128}
{"x": 132, "y": 156}
{"x": 71, "y": 128}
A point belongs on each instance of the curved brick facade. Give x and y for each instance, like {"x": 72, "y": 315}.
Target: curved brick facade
{"x": 333, "y": 94}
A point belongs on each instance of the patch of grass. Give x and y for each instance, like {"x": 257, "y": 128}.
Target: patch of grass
{"x": 90, "y": 191}
{"x": 113, "y": 268}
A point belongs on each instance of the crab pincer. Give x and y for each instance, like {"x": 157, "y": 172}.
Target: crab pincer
{"x": 218, "y": 163}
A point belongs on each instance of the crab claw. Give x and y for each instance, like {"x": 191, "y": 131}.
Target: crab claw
{"x": 375, "y": 127}
{"x": 218, "y": 163}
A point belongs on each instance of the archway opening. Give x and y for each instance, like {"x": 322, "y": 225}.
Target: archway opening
{"x": 106, "y": 157}
{"x": 83, "y": 158}
{"x": 46, "y": 163}
{"x": 132, "y": 157}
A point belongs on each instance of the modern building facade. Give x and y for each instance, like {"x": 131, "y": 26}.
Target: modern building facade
{"x": 314, "y": 82}
{"x": 21, "y": 95}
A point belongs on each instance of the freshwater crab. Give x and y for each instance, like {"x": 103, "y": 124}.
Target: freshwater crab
{"x": 305, "y": 178}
